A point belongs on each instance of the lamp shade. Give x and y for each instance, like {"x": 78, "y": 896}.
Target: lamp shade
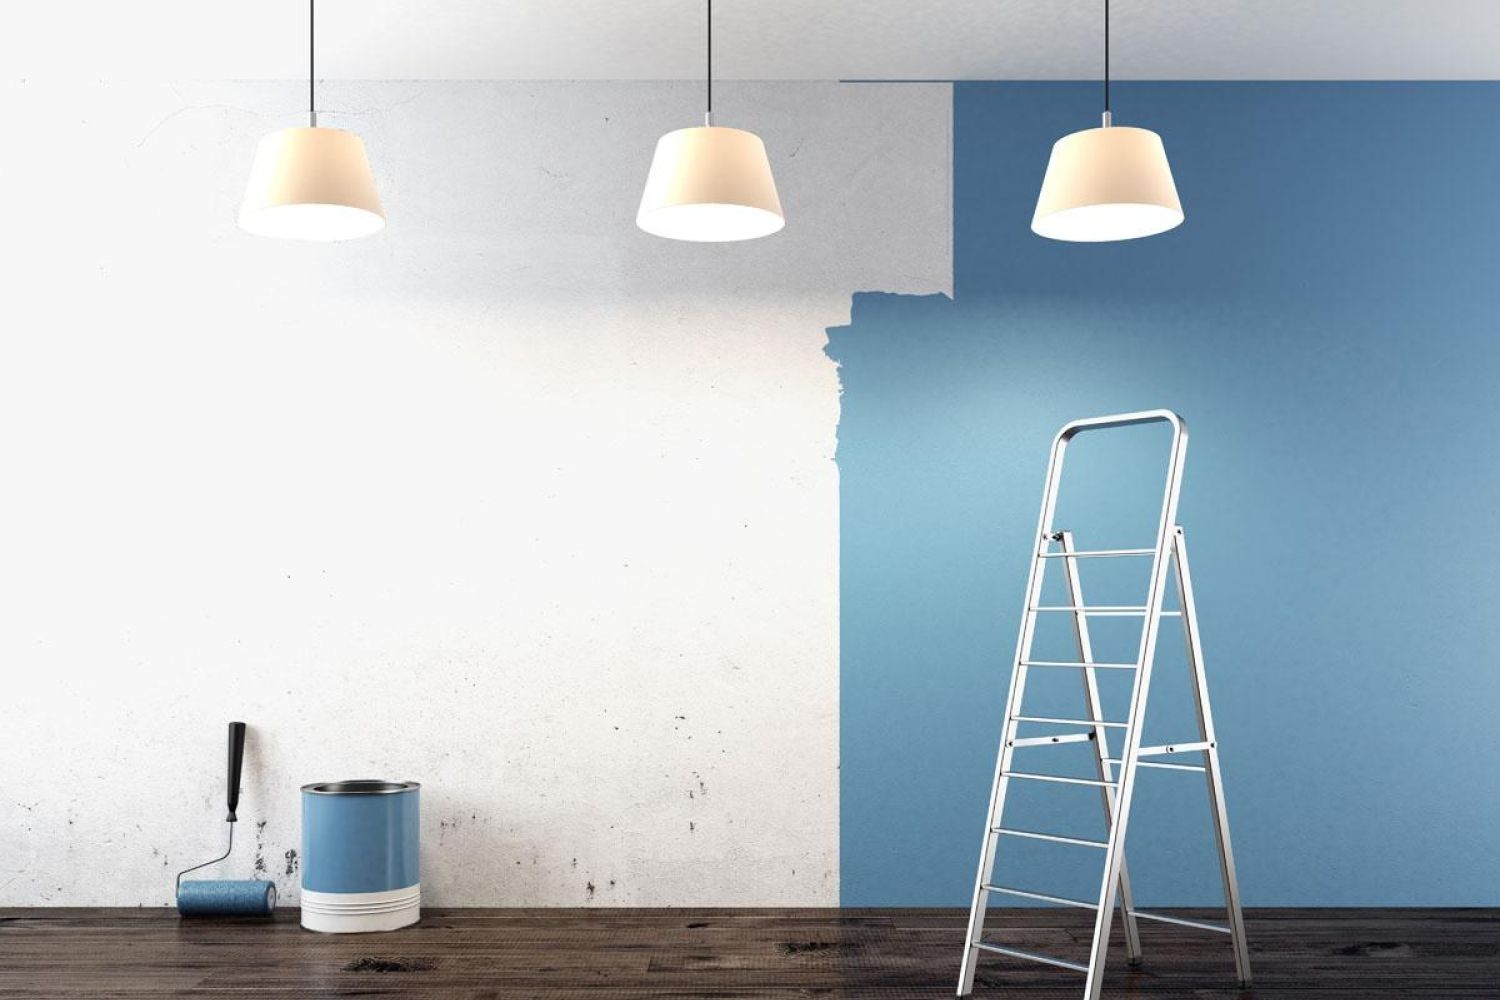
{"x": 1111, "y": 183}
{"x": 710, "y": 185}
{"x": 311, "y": 184}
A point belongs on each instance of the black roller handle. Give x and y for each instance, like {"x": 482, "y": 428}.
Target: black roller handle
{"x": 236, "y": 762}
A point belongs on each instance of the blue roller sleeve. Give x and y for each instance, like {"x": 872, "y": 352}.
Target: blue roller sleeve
{"x": 226, "y": 897}
{"x": 360, "y": 843}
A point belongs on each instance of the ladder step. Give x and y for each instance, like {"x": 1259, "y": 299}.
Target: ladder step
{"x": 1042, "y": 896}
{"x": 1060, "y": 779}
{"x": 1055, "y": 838}
{"x": 1080, "y": 666}
{"x": 1031, "y": 956}
{"x": 1096, "y": 553}
{"x": 1037, "y": 741}
{"x": 1181, "y": 921}
{"x": 1161, "y": 765}
{"x": 1101, "y": 609}
{"x": 1069, "y": 722}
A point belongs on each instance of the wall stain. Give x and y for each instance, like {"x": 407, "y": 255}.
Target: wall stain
{"x": 260, "y": 848}
{"x": 452, "y": 823}
{"x": 292, "y": 861}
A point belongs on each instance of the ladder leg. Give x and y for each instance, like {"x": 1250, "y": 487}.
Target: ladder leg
{"x": 1211, "y": 757}
{"x": 1013, "y": 702}
{"x": 979, "y": 906}
{"x": 1102, "y": 767}
{"x": 1115, "y": 857}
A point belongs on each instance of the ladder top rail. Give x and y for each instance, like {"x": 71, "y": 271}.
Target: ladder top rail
{"x": 1177, "y": 453}
{"x": 1073, "y": 428}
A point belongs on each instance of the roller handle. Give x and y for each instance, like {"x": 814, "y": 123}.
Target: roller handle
{"x": 236, "y": 763}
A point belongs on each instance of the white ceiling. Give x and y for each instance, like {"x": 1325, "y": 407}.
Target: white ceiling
{"x": 755, "y": 39}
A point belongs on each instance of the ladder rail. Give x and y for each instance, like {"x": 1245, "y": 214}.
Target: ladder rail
{"x": 1212, "y": 773}
{"x": 1139, "y": 696}
{"x": 1027, "y": 632}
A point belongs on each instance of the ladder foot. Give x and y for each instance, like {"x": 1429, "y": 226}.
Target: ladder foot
{"x": 1136, "y": 962}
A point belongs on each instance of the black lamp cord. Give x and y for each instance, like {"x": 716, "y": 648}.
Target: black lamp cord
{"x": 708, "y": 115}
{"x": 312, "y": 34}
{"x": 1107, "y": 116}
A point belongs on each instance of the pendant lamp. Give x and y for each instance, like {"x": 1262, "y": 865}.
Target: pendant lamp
{"x": 1107, "y": 183}
{"x": 710, "y": 184}
{"x": 311, "y": 183}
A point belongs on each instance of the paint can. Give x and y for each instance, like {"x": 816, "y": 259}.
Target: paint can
{"x": 360, "y": 868}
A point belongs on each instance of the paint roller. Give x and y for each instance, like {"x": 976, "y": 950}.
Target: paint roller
{"x": 227, "y": 897}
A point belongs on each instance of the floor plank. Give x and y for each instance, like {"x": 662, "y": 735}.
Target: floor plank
{"x": 591, "y": 954}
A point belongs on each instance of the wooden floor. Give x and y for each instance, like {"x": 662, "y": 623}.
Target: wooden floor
{"x": 595, "y": 954}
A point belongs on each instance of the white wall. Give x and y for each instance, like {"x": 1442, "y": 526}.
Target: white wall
{"x": 512, "y": 500}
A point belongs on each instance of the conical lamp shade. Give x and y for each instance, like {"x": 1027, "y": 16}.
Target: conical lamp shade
{"x": 1103, "y": 184}
{"x": 311, "y": 184}
{"x": 710, "y": 185}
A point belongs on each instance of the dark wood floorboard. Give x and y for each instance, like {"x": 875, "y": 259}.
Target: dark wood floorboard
{"x": 554, "y": 954}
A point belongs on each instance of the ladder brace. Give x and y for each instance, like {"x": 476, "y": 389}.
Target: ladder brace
{"x": 1037, "y": 741}
{"x": 1201, "y": 925}
{"x": 1167, "y": 748}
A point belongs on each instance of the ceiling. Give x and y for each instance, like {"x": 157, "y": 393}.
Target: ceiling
{"x": 754, "y": 39}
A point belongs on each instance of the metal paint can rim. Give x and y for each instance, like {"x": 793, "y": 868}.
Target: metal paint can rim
{"x": 360, "y": 786}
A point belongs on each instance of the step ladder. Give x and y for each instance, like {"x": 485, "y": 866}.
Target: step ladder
{"x": 1114, "y": 777}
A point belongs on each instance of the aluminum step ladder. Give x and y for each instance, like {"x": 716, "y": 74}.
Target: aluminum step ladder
{"x": 1114, "y": 777}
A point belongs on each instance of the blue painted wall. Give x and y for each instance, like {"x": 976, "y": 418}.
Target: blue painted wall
{"x": 1327, "y": 321}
